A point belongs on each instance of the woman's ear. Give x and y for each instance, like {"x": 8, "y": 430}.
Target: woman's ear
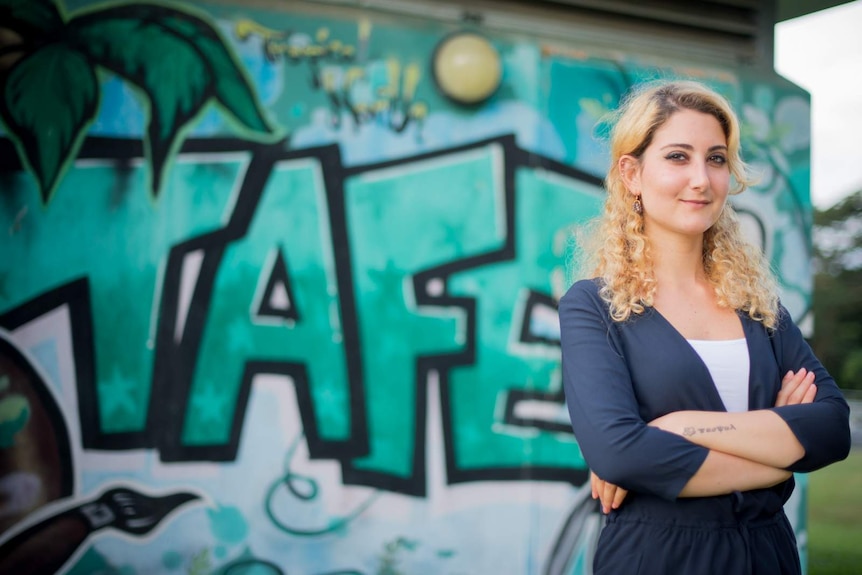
{"x": 629, "y": 167}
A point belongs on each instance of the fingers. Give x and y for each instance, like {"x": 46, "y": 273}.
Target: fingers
{"x": 796, "y": 388}
{"x": 607, "y": 496}
{"x": 595, "y": 484}
{"x": 810, "y": 394}
{"x": 786, "y": 383}
{"x": 610, "y": 496}
{"x": 618, "y": 497}
{"x": 799, "y": 393}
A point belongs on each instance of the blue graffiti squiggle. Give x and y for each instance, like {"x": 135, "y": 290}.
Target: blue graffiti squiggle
{"x": 305, "y": 488}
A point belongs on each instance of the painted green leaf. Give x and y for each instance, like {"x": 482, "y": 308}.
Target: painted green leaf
{"x": 232, "y": 89}
{"x": 30, "y": 18}
{"x": 51, "y": 97}
{"x": 165, "y": 66}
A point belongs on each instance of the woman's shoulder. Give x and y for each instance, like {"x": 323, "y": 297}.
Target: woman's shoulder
{"x": 785, "y": 326}
{"x": 588, "y": 289}
{"x": 589, "y": 285}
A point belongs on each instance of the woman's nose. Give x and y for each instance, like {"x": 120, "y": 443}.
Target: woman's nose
{"x": 699, "y": 177}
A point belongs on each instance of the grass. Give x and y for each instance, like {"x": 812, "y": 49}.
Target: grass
{"x": 835, "y": 518}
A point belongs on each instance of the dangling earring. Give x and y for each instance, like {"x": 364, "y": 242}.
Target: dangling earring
{"x": 637, "y": 206}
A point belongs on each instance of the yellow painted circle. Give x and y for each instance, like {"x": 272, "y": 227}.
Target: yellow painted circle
{"x": 467, "y": 68}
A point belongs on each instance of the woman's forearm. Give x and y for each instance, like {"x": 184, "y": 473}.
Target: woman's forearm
{"x": 760, "y": 436}
{"x": 722, "y": 473}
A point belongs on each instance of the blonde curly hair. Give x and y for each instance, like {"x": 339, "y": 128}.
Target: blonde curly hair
{"x": 616, "y": 248}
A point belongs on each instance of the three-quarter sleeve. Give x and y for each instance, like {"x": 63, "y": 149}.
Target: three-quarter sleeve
{"x": 822, "y": 427}
{"x": 614, "y": 439}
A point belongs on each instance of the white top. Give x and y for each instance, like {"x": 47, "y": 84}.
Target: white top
{"x": 728, "y": 364}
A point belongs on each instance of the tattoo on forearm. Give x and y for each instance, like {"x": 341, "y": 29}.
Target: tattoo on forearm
{"x": 690, "y": 431}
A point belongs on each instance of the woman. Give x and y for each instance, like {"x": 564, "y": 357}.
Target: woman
{"x": 692, "y": 394}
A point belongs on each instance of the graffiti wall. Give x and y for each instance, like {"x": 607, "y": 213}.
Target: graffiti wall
{"x": 271, "y": 302}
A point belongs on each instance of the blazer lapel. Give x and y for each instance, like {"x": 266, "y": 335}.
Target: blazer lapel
{"x": 764, "y": 378}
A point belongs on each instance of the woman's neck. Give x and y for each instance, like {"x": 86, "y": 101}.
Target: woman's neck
{"x": 678, "y": 262}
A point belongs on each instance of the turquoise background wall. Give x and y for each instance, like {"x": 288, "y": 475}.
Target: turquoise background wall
{"x": 271, "y": 303}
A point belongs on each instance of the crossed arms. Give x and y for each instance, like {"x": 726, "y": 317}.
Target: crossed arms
{"x": 747, "y": 450}
{"x": 803, "y": 426}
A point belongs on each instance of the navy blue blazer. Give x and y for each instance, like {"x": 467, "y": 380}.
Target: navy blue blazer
{"x": 618, "y": 376}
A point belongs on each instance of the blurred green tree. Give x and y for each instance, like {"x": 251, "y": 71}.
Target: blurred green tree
{"x": 837, "y": 338}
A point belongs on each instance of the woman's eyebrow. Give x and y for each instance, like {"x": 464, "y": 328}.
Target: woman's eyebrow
{"x": 690, "y": 147}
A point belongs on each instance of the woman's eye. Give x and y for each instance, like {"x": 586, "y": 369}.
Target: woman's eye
{"x": 675, "y": 156}
{"x": 718, "y": 160}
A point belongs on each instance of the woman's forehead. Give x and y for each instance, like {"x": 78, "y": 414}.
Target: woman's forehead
{"x": 690, "y": 127}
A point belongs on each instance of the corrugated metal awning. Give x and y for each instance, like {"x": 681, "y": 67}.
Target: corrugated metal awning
{"x": 725, "y": 32}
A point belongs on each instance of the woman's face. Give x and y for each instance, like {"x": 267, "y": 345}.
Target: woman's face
{"x": 682, "y": 177}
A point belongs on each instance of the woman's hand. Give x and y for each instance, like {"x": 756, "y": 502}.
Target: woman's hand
{"x": 610, "y": 495}
{"x": 796, "y": 388}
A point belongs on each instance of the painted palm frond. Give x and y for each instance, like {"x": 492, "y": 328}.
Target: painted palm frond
{"x": 50, "y": 97}
{"x": 32, "y": 72}
{"x": 175, "y": 59}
